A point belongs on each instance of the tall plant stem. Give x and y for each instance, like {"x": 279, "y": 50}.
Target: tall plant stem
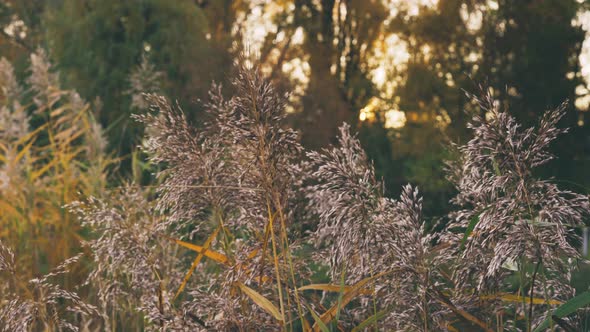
{"x": 530, "y": 322}
{"x": 224, "y": 231}
{"x": 290, "y": 261}
{"x": 276, "y": 263}
{"x": 425, "y": 302}
{"x": 374, "y": 297}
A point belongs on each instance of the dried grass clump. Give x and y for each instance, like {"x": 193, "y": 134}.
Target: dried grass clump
{"x": 348, "y": 200}
{"x": 519, "y": 223}
{"x": 38, "y": 304}
{"x": 136, "y": 266}
{"x": 144, "y": 79}
{"x": 363, "y": 235}
{"x": 59, "y": 159}
{"x": 232, "y": 184}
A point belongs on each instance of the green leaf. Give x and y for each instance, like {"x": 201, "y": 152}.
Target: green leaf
{"x": 469, "y": 230}
{"x": 496, "y": 167}
{"x": 566, "y": 309}
{"x": 318, "y": 321}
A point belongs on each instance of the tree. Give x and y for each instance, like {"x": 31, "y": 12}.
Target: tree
{"x": 534, "y": 69}
{"x": 458, "y": 45}
{"x": 102, "y": 41}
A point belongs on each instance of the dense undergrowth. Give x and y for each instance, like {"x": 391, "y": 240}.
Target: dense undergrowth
{"x": 243, "y": 229}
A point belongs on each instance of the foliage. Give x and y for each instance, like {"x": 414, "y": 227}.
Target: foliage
{"x": 99, "y": 48}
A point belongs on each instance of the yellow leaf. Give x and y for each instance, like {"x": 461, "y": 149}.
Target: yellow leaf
{"x": 22, "y": 152}
{"x": 452, "y": 328}
{"x": 332, "y": 288}
{"x": 263, "y": 302}
{"x": 59, "y": 110}
{"x": 7, "y": 209}
{"x": 42, "y": 171}
{"x": 198, "y": 260}
{"x": 68, "y": 135}
{"x": 218, "y": 257}
{"x": 306, "y": 326}
{"x": 56, "y": 93}
{"x": 63, "y": 121}
{"x": 346, "y": 298}
{"x": 507, "y": 297}
{"x": 30, "y": 135}
{"x": 253, "y": 254}
{"x": 462, "y": 313}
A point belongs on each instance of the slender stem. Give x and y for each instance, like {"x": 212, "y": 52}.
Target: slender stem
{"x": 264, "y": 245}
{"x": 276, "y": 263}
{"x": 290, "y": 261}
{"x": 224, "y": 231}
{"x": 425, "y": 304}
{"x": 521, "y": 292}
{"x": 546, "y": 292}
{"x": 159, "y": 292}
{"x": 374, "y": 297}
{"x": 530, "y": 322}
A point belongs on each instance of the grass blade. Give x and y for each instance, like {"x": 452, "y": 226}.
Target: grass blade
{"x": 451, "y": 328}
{"x": 444, "y": 300}
{"x": 322, "y": 326}
{"x": 507, "y": 297}
{"x": 261, "y": 301}
{"x": 340, "y": 295}
{"x": 332, "y": 288}
{"x": 348, "y": 296}
{"x": 22, "y": 152}
{"x": 566, "y": 309}
{"x": 44, "y": 169}
{"x": 198, "y": 260}
{"x": 369, "y": 321}
{"x": 218, "y": 257}
{"x": 472, "y": 223}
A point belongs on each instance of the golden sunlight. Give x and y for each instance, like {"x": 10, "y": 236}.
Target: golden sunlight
{"x": 393, "y": 118}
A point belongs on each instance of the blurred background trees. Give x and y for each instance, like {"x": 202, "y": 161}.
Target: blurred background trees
{"x": 396, "y": 70}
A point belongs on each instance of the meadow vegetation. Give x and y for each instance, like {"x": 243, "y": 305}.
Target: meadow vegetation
{"x": 243, "y": 229}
